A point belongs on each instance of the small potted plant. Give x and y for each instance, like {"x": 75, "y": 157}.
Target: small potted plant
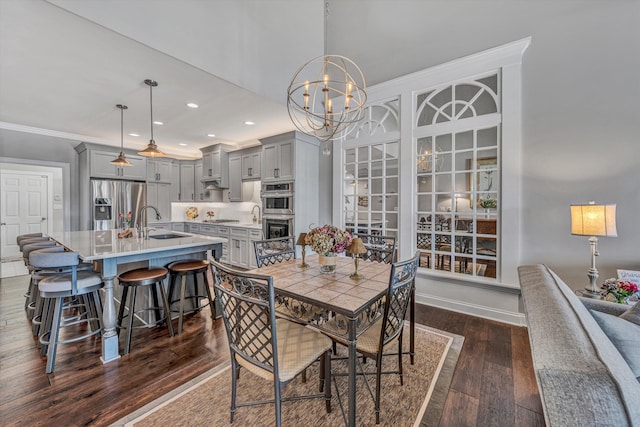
{"x": 210, "y": 214}
{"x": 125, "y": 220}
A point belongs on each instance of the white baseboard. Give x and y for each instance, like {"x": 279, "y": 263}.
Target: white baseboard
{"x": 513, "y": 318}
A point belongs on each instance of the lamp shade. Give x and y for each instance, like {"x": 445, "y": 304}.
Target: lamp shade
{"x": 593, "y": 220}
{"x": 301, "y": 239}
{"x": 356, "y": 247}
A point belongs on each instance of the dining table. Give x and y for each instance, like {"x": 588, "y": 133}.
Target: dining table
{"x": 108, "y": 252}
{"x": 335, "y": 303}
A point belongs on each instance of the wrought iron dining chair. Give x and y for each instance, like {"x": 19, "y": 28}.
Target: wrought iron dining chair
{"x": 379, "y": 248}
{"x": 274, "y": 251}
{"x": 388, "y": 328}
{"x": 272, "y": 348}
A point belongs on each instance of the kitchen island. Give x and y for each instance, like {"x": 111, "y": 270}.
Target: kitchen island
{"x": 108, "y": 251}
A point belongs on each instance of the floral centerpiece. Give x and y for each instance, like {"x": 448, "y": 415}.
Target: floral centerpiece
{"x": 620, "y": 290}
{"x": 210, "y": 214}
{"x": 328, "y": 241}
{"x": 192, "y": 212}
{"x": 125, "y": 220}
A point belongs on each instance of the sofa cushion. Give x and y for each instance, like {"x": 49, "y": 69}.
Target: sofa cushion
{"x": 624, "y": 335}
{"x": 633, "y": 314}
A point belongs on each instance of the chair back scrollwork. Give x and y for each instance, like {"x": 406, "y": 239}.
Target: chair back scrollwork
{"x": 379, "y": 248}
{"x": 274, "y": 251}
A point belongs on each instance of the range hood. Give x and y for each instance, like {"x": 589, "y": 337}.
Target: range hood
{"x": 212, "y": 184}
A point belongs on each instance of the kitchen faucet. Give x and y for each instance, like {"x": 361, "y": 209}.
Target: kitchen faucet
{"x": 259, "y": 213}
{"x": 139, "y": 221}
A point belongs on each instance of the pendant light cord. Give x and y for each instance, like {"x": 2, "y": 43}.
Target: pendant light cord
{"x": 326, "y": 15}
{"x": 151, "y": 107}
{"x": 122, "y": 129}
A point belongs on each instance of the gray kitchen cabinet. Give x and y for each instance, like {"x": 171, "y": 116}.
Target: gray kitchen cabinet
{"x": 159, "y": 196}
{"x": 238, "y": 243}
{"x": 175, "y": 182}
{"x": 159, "y": 170}
{"x": 215, "y": 165}
{"x": 251, "y": 164}
{"x": 100, "y": 166}
{"x": 235, "y": 177}
{"x": 251, "y": 253}
{"x": 224, "y": 232}
{"x": 177, "y": 226}
{"x": 277, "y": 159}
{"x": 187, "y": 175}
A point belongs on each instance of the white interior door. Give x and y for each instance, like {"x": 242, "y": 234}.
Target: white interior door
{"x": 24, "y": 208}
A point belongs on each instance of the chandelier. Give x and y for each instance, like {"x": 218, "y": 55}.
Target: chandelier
{"x": 121, "y": 160}
{"x": 326, "y": 96}
{"x": 152, "y": 148}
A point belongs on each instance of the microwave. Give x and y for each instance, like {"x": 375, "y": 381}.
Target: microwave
{"x": 277, "y": 198}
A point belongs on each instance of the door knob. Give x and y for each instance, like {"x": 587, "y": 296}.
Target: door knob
{"x": 43, "y": 219}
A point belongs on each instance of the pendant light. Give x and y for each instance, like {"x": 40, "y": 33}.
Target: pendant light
{"x": 121, "y": 160}
{"x": 326, "y": 96}
{"x": 152, "y": 148}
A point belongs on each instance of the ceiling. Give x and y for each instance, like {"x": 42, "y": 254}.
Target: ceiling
{"x": 65, "y": 64}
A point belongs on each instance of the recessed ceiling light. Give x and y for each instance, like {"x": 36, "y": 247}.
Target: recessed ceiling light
{"x": 133, "y": 134}
{"x": 211, "y": 135}
{"x": 249, "y": 123}
{"x": 183, "y": 144}
{"x": 192, "y": 105}
{"x": 158, "y": 123}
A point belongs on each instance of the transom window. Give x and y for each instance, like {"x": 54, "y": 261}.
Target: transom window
{"x": 370, "y": 177}
{"x": 457, "y": 156}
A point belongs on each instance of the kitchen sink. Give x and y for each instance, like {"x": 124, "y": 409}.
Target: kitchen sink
{"x": 166, "y": 236}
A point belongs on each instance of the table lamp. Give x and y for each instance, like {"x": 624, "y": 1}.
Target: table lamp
{"x": 356, "y": 249}
{"x": 301, "y": 242}
{"x": 593, "y": 220}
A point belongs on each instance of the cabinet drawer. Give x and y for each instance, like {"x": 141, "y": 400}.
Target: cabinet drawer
{"x": 177, "y": 226}
{"x": 210, "y": 230}
{"x": 223, "y": 231}
{"x": 194, "y": 228}
{"x": 238, "y": 232}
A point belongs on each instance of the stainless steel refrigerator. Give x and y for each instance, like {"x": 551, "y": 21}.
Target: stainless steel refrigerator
{"x": 111, "y": 198}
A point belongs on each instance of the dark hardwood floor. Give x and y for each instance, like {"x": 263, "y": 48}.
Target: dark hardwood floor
{"x": 493, "y": 384}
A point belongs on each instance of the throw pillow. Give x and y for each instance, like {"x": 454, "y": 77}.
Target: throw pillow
{"x": 624, "y": 335}
{"x": 632, "y": 314}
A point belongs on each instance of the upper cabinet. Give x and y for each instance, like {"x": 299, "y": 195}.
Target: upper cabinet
{"x": 278, "y": 158}
{"x": 215, "y": 166}
{"x": 187, "y": 188}
{"x": 235, "y": 179}
{"x": 175, "y": 181}
{"x": 100, "y": 166}
{"x": 251, "y": 164}
{"x": 159, "y": 170}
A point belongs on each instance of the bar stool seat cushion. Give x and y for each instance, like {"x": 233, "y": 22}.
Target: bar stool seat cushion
{"x": 149, "y": 275}
{"x": 184, "y": 266}
{"x": 62, "y": 283}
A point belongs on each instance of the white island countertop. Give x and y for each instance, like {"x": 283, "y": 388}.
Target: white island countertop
{"x": 93, "y": 245}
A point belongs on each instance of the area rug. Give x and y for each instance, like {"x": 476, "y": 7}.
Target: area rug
{"x": 205, "y": 400}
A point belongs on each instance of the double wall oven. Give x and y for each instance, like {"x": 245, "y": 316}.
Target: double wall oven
{"x": 277, "y": 209}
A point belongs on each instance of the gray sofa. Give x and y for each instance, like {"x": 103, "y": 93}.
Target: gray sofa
{"x": 582, "y": 377}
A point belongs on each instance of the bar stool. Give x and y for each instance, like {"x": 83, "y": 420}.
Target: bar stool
{"x": 30, "y": 295}
{"x": 142, "y": 277}
{"x": 183, "y": 269}
{"x": 81, "y": 285}
{"x": 27, "y": 236}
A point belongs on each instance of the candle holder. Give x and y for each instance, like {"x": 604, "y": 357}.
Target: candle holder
{"x": 356, "y": 249}
{"x": 301, "y": 242}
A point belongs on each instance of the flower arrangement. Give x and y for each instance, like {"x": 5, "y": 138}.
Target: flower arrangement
{"x": 328, "y": 239}
{"x": 621, "y": 290}
{"x": 192, "y": 212}
{"x": 125, "y": 220}
{"x": 210, "y": 214}
{"x": 488, "y": 203}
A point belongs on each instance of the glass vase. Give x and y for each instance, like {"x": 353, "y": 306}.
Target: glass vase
{"x": 327, "y": 263}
